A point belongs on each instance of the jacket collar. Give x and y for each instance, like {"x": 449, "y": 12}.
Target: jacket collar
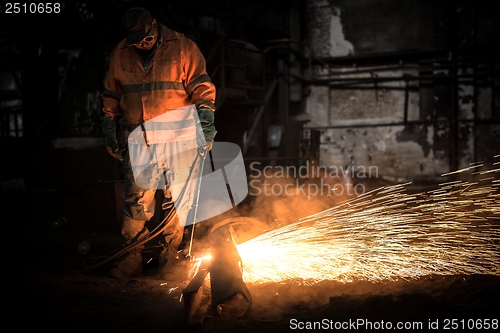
{"x": 168, "y": 34}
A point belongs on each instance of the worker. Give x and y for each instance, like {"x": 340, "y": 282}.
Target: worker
{"x": 153, "y": 71}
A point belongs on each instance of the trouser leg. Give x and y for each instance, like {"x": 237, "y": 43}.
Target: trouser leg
{"x": 133, "y": 230}
{"x": 138, "y": 208}
{"x": 183, "y": 168}
{"x": 173, "y": 232}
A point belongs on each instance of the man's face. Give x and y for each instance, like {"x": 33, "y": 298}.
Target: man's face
{"x": 150, "y": 39}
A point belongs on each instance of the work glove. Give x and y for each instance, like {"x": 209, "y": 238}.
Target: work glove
{"x": 109, "y": 126}
{"x": 207, "y": 118}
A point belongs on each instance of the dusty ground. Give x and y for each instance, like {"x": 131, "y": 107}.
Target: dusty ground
{"x": 44, "y": 297}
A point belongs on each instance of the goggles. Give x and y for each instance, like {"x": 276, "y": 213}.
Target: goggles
{"x": 150, "y": 36}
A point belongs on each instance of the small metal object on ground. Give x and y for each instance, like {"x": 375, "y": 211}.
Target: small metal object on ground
{"x": 59, "y": 223}
{"x": 84, "y": 247}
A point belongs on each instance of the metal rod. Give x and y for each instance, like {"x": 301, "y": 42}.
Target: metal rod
{"x": 342, "y": 82}
{"x": 403, "y": 56}
{"x": 196, "y": 204}
{"x": 274, "y": 158}
{"x": 414, "y": 122}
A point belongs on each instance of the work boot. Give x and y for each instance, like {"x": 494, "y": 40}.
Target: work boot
{"x": 131, "y": 263}
{"x": 128, "y": 267}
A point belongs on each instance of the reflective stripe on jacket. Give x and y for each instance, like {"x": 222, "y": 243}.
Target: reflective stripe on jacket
{"x": 175, "y": 77}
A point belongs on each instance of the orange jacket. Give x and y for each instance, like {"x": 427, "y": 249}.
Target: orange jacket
{"x": 176, "y": 77}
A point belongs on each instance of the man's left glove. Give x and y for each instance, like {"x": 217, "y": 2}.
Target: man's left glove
{"x": 109, "y": 126}
{"x": 207, "y": 118}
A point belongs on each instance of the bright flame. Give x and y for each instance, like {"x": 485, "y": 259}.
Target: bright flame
{"x": 195, "y": 264}
{"x": 385, "y": 234}
{"x": 207, "y": 257}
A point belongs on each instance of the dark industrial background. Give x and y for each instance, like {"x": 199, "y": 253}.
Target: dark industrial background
{"x": 410, "y": 87}
{"x": 403, "y": 91}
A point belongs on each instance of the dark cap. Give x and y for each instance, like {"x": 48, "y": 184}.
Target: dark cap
{"x": 134, "y": 24}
